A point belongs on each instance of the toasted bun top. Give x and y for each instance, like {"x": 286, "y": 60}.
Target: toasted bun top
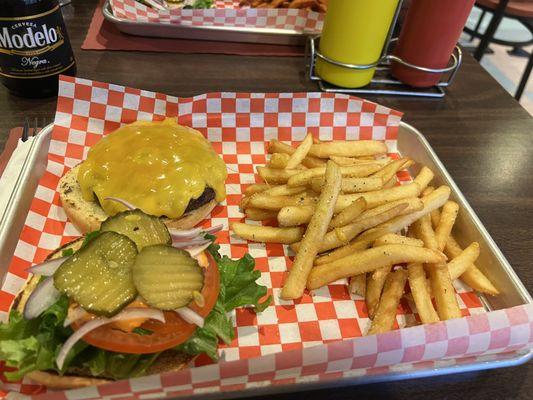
{"x": 87, "y": 216}
{"x": 157, "y": 166}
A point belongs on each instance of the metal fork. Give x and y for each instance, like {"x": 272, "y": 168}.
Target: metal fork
{"x": 28, "y": 132}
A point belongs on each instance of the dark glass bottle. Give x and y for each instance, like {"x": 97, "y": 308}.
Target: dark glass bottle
{"x": 34, "y": 47}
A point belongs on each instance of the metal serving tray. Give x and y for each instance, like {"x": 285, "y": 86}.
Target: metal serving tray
{"x": 215, "y": 33}
{"x": 410, "y": 143}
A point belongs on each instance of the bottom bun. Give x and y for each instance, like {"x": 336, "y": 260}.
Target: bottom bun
{"x": 168, "y": 361}
{"x": 87, "y": 216}
{"x": 54, "y": 381}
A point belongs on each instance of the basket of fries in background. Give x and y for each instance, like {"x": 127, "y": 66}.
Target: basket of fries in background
{"x": 340, "y": 207}
{"x": 270, "y": 21}
{"x": 309, "y": 5}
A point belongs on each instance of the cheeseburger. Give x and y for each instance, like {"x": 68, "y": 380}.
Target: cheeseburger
{"x": 138, "y": 294}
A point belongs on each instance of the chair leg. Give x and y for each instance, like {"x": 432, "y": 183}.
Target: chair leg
{"x": 524, "y": 79}
{"x": 497, "y": 17}
{"x": 478, "y": 25}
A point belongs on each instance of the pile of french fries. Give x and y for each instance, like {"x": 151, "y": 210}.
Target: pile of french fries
{"x": 340, "y": 208}
{"x": 311, "y": 5}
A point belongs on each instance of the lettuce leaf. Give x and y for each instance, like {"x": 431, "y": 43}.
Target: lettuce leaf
{"x": 33, "y": 345}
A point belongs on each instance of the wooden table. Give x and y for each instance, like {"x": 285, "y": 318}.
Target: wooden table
{"x": 478, "y": 130}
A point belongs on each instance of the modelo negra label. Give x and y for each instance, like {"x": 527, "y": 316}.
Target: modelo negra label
{"x": 34, "y": 46}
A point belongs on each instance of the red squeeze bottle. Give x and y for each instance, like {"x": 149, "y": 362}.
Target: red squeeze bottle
{"x": 429, "y": 34}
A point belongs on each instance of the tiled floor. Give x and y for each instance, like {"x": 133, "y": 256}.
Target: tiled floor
{"x": 506, "y": 69}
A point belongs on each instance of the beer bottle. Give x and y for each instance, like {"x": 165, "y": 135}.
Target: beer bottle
{"x": 34, "y": 47}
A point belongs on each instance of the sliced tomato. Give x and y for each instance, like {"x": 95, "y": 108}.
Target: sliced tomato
{"x": 166, "y": 335}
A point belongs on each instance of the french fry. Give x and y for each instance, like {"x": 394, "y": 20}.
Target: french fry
{"x": 435, "y": 214}
{"x": 360, "y": 243}
{"x": 267, "y": 234}
{"x": 413, "y": 204}
{"x": 390, "y": 299}
{"x": 425, "y": 232}
{"x": 444, "y": 292}
{"x": 352, "y": 185}
{"x": 258, "y": 214}
{"x": 357, "y": 285}
{"x": 341, "y": 236}
{"x": 256, "y": 188}
{"x": 274, "y": 176}
{"x": 370, "y": 260}
{"x": 395, "y": 225}
{"x": 300, "y": 153}
{"x": 278, "y": 161}
{"x": 459, "y": 264}
{"x": 428, "y": 190}
{"x": 390, "y": 183}
{"x": 349, "y": 213}
{"x": 477, "y": 280}
{"x": 357, "y": 171}
{"x": 383, "y": 196}
{"x": 301, "y": 3}
{"x": 439, "y": 276}
{"x": 260, "y": 200}
{"x": 276, "y": 146}
{"x": 374, "y": 286}
{"x": 243, "y": 204}
{"x": 389, "y": 171}
{"x": 447, "y": 219}
{"x": 473, "y": 276}
{"x": 284, "y": 190}
{"x": 424, "y": 177}
{"x": 296, "y": 281}
{"x": 295, "y": 215}
{"x": 392, "y": 238}
{"x": 355, "y": 148}
{"x": 431, "y": 202}
{"x": 420, "y": 291}
{"x": 344, "y": 161}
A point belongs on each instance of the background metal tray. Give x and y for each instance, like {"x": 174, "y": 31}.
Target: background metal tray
{"x": 215, "y": 33}
{"x": 410, "y": 143}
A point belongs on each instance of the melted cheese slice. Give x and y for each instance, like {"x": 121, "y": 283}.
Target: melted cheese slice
{"x": 157, "y": 166}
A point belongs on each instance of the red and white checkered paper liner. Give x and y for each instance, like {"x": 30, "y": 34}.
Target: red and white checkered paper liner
{"x": 226, "y": 13}
{"x": 318, "y": 337}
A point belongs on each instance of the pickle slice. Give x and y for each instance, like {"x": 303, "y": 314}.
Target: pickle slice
{"x": 143, "y": 229}
{"x": 166, "y": 277}
{"x": 98, "y": 276}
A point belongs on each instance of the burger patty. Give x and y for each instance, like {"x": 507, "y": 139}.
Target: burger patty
{"x": 205, "y": 197}
{"x": 208, "y": 195}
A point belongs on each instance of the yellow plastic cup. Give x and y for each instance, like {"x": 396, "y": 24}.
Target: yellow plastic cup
{"x": 354, "y": 33}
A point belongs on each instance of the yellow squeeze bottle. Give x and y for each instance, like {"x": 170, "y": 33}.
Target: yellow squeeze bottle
{"x": 354, "y": 33}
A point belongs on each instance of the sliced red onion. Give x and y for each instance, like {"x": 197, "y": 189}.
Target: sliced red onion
{"x": 196, "y": 251}
{"x": 74, "y": 315}
{"x": 194, "y": 232}
{"x": 47, "y": 268}
{"x": 214, "y": 229}
{"x": 188, "y": 233}
{"x": 189, "y": 244}
{"x": 129, "y": 313}
{"x": 44, "y": 295}
{"x": 125, "y": 203}
{"x": 190, "y": 316}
